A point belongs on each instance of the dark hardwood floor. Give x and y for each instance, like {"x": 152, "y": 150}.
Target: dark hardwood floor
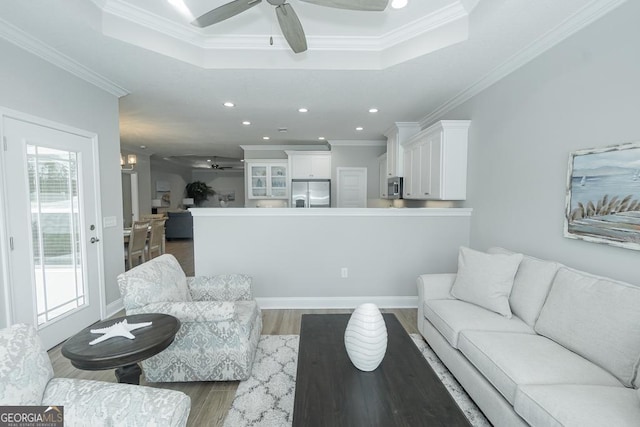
{"x": 210, "y": 401}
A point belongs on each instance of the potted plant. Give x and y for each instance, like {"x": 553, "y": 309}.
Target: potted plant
{"x": 198, "y": 191}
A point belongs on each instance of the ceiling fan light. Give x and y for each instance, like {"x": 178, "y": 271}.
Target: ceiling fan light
{"x": 399, "y": 4}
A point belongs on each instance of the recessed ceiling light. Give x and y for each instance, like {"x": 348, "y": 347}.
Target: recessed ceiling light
{"x": 373, "y": 110}
{"x": 229, "y": 104}
{"x": 398, "y": 4}
{"x": 359, "y": 128}
{"x": 209, "y": 160}
{"x": 303, "y": 110}
{"x": 144, "y": 147}
{"x": 266, "y": 138}
{"x": 246, "y": 123}
{"x": 321, "y": 138}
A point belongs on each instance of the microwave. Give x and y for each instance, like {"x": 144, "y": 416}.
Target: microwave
{"x": 394, "y": 187}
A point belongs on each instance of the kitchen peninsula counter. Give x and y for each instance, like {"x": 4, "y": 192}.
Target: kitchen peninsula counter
{"x": 299, "y": 258}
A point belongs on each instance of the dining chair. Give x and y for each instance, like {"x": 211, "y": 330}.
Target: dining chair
{"x": 156, "y": 238}
{"x": 137, "y": 242}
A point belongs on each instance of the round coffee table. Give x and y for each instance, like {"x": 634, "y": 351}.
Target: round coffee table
{"x": 120, "y": 352}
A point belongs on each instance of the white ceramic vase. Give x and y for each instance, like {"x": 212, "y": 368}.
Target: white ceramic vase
{"x": 366, "y": 337}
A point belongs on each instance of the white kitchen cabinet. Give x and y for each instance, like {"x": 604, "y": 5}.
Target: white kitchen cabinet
{"x": 396, "y": 136}
{"x": 310, "y": 164}
{"x": 267, "y": 179}
{"x": 435, "y": 162}
{"x": 382, "y": 173}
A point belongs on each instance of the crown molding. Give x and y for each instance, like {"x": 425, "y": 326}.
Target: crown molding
{"x": 37, "y": 47}
{"x": 593, "y": 11}
{"x": 284, "y": 147}
{"x": 441, "y": 17}
{"x": 397, "y": 126}
{"x": 357, "y": 143}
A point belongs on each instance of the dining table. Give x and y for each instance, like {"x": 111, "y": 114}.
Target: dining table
{"x": 126, "y": 232}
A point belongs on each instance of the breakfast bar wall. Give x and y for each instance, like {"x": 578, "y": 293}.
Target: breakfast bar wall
{"x": 330, "y": 258}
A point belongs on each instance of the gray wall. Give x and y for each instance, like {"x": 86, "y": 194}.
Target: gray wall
{"x": 299, "y": 253}
{"x": 343, "y": 156}
{"x": 31, "y": 85}
{"x": 143, "y": 170}
{"x": 177, "y": 177}
{"x": 222, "y": 181}
{"x": 583, "y": 93}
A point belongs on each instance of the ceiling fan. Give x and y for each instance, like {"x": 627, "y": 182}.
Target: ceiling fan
{"x": 289, "y": 23}
{"x": 217, "y": 166}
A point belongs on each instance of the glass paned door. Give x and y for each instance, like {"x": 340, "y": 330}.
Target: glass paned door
{"x": 279, "y": 181}
{"x": 57, "y": 260}
{"x": 259, "y": 180}
{"x": 52, "y": 216}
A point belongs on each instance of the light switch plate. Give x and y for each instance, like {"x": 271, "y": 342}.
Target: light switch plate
{"x": 109, "y": 221}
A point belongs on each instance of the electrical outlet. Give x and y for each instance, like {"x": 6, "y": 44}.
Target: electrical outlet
{"x": 344, "y": 272}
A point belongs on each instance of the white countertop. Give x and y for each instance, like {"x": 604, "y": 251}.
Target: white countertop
{"x": 333, "y": 212}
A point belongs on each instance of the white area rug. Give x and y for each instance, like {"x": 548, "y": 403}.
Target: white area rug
{"x": 266, "y": 398}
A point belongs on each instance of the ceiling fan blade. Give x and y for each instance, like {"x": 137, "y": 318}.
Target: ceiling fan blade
{"x": 223, "y": 12}
{"x": 366, "y": 5}
{"x": 291, "y": 28}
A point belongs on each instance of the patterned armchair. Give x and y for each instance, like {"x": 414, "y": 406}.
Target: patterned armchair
{"x": 26, "y": 378}
{"x": 220, "y": 322}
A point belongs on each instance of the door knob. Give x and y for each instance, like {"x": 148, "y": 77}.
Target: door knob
{"x": 94, "y": 240}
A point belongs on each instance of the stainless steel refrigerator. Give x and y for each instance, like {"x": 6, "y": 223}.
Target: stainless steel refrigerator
{"x": 311, "y": 193}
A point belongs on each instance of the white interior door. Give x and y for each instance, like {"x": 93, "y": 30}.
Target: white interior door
{"x": 352, "y": 187}
{"x": 52, "y": 213}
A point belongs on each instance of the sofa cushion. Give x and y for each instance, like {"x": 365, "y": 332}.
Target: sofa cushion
{"x": 597, "y": 318}
{"x": 158, "y": 280}
{"x": 508, "y": 360}
{"x": 577, "y": 405}
{"x": 486, "y": 279}
{"x": 25, "y": 368}
{"x": 450, "y": 317}
{"x": 530, "y": 286}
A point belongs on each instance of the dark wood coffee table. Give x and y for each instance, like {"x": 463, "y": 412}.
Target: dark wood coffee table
{"x": 122, "y": 353}
{"x": 402, "y": 391}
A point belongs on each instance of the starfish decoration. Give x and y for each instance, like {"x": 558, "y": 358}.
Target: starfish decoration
{"x": 120, "y": 329}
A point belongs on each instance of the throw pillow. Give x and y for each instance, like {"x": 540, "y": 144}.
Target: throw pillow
{"x": 486, "y": 279}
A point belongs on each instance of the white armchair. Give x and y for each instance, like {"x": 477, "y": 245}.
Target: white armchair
{"x": 26, "y": 378}
{"x": 220, "y": 322}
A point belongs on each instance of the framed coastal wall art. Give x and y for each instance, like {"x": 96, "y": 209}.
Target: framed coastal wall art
{"x": 603, "y": 196}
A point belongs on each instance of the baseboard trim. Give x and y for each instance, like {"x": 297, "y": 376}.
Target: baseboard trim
{"x": 113, "y": 308}
{"x": 336, "y": 302}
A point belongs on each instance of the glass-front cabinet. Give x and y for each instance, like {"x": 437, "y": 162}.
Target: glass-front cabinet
{"x": 267, "y": 180}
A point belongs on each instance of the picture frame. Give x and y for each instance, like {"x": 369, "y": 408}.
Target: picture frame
{"x": 603, "y": 196}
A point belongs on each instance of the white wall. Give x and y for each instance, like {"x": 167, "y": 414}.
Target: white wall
{"x": 299, "y": 253}
{"x": 583, "y": 93}
{"x": 31, "y": 85}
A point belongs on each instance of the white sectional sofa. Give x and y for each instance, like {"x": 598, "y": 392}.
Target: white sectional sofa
{"x": 566, "y": 352}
